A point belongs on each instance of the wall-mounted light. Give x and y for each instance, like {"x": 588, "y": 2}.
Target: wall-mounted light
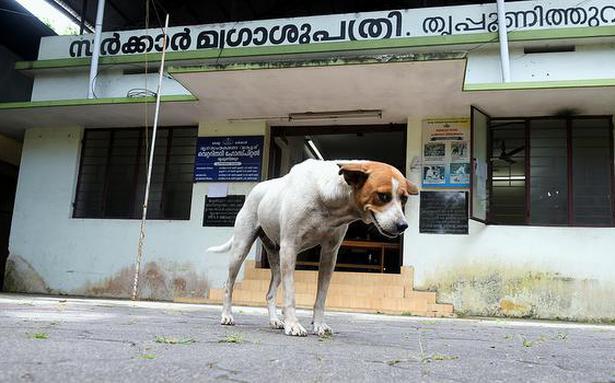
{"x": 359, "y": 113}
{"x": 314, "y": 149}
{"x": 511, "y": 178}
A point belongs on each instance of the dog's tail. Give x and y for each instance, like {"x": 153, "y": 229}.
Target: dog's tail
{"x": 222, "y": 248}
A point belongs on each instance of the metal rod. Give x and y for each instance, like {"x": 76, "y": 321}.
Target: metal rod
{"x": 503, "y": 33}
{"x": 150, "y": 164}
{"x": 100, "y": 12}
{"x": 84, "y": 9}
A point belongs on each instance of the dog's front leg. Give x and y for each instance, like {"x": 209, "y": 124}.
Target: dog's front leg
{"x": 328, "y": 257}
{"x": 288, "y": 258}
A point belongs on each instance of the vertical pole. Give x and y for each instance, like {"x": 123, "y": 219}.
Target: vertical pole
{"x": 100, "y": 11}
{"x": 150, "y": 163}
{"x": 503, "y": 33}
{"x": 84, "y": 9}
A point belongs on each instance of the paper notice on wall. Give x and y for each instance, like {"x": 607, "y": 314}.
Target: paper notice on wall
{"x": 446, "y": 153}
{"x": 217, "y": 190}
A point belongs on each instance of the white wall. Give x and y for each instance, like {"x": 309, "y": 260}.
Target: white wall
{"x": 68, "y": 85}
{"x": 582, "y": 64}
{"x": 70, "y": 253}
{"x": 575, "y": 265}
{"x": 533, "y": 271}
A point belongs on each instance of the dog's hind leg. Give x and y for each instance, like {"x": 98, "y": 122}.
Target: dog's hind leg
{"x": 242, "y": 242}
{"x": 274, "y": 263}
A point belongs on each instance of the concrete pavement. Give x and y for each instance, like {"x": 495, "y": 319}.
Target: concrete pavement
{"x": 47, "y": 339}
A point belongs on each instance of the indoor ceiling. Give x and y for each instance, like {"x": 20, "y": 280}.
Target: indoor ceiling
{"x": 384, "y": 147}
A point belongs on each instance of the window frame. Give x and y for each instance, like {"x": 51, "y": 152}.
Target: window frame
{"x": 135, "y": 182}
{"x": 570, "y": 163}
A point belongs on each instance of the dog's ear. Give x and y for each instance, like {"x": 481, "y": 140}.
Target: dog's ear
{"x": 412, "y": 188}
{"x": 354, "y": 174}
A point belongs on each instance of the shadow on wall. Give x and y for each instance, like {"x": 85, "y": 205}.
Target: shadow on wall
{"x": 164, "y": 283}
{"x": 521, "y": 293}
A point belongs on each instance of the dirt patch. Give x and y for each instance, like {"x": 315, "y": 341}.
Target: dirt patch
{"x": 520, "y": 293}
{"x": 156, "y": 282}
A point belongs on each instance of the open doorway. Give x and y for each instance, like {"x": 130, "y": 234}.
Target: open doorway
{"x": 364, "y": 249}
{"x": 8, "y": 184}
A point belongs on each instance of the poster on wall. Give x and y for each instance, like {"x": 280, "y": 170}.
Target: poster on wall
{"x": 228, "y": 159}
{"x": 446, "y": 153}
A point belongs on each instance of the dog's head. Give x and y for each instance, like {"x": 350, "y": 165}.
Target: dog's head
{"x": 380, "y": 192}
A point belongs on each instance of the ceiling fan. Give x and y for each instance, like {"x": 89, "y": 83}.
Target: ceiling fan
{"x": 507, "y": 156}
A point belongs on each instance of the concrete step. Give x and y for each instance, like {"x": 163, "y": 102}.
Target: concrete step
{"x": 349, "y": 291}
{"x": 334, "y": 289}
{"x": 340, "y": 277}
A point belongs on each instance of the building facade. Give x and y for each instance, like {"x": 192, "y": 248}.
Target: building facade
{"x": 516, "y": 213}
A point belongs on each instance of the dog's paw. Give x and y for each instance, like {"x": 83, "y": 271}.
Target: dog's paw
{"x": 321, "y": 329}
{"x": 294, "y": 329}
{"x": 227, "y": 320}
{"x": 276, "y": 323}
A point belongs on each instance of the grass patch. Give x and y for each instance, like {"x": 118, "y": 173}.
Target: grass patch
{"x": 40, "y": 335}
{"x": 439, "y": 358}
{"x": 232, "y": 338}
{"x": 326, "y": 336}
{"x": 462, "y": 314}
{"x": 148, "y": 356}
{"x": 561, "y": 336}
{"x": 407, "y": 314}
{"x": 531, "y": 343}
{"x": 172, "y": 340}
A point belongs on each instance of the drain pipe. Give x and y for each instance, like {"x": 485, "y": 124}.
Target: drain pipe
{"x": 503, "y": 33}
{"x": 100, "y": 11}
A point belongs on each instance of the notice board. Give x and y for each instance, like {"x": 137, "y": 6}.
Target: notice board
{"x": 228, "y": 159}
{"x": 222, "y": 211}
{"x": 444, "y": 212}
{"x": 446, "y": 153}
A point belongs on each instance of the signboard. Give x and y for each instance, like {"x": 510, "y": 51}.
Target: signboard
{"x": 395, "y": 24}
{"x": 221, "y": 211}
{"x": 444, "y": 212}
{"x": 446, "y": 153}
{"x": 228, "y": 159}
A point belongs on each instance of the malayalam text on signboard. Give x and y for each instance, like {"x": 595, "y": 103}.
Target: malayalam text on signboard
{"x": 221, "y": 212}
{"x": 228, "y": 159}
{"x": 444, "y": 212}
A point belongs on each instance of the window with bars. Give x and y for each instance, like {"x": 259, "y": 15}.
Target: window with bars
{"x": 113, "y": 168}
{"x": 550, "y": 171}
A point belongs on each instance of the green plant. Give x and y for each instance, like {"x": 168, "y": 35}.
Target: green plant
{"x": 232, "y": 338}
{"x": 171, "y": 340}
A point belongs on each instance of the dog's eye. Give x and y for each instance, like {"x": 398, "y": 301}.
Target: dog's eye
{"x": 384, "y": 197}
{"x": 404, "y": 199}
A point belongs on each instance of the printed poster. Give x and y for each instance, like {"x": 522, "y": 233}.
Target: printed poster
{"x": 446, "y": 153}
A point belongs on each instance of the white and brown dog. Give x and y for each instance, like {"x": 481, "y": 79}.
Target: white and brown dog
{"x": 312, "y": 205}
